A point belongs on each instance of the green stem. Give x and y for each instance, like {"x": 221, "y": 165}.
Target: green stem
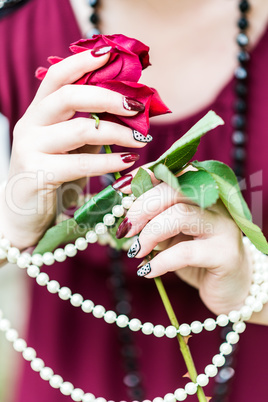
{"x": 108, "y": 150}
{"x": 183, "y": 345}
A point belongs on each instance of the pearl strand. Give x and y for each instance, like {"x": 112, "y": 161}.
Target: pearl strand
{"x": 77, "y": 394}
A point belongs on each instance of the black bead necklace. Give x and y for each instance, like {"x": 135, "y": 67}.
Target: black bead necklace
{"x": 226, "y": 373}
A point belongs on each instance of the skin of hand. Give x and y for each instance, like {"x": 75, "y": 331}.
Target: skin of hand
{"x": 192, "y": 242}
{"x": 50, "y": 148}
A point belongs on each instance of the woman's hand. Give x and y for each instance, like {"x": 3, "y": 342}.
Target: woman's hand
{"x": 50, "y": 148}
{"x": 203, "y": 247}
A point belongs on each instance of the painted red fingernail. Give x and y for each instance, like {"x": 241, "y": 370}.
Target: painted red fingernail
{"x": 122, "y": 182}
{"x": 123, "y": 228}
{"x": 127, "y": 158}
{"x": 133, "y": 104}
{"x": 101, "y": 50}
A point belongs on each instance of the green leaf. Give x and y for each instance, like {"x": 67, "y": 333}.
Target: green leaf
{"x": 233, "y": 200}
{"x": 93, "y": 211}
{"x": 65, "y": 232}
{"x": 163, "y": 173}
{"x": 141, "y": 182}
{"x": 200, "y": 187}
{"x": 184, "y": 149}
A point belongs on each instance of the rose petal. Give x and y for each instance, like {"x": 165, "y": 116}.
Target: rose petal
{"x": 40, "y": 73}
{"x": 157, "y": 106}
{"x": 54, "y": 59}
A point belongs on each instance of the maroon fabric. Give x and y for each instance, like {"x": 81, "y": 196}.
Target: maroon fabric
{"x": 79, "y": 347}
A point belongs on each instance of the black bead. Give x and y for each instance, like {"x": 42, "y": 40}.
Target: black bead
{"x": 243, "y": 57}
{"x": 241, "y": 89}
{"x": 240, "y": 106}
{"x": 93, "y": 3}
{"x": 239, "y": 154}
{"x": 238, "y": 138}
{"x": 241, "y": 73}
{"x": 242, "y": 39}
{"x": 243, "y": 23}
{"x": 94, "y": 18}
{"x": 244, "y": 6}
{"x": 239, "y": 170}
{"x": 238, "y": 121}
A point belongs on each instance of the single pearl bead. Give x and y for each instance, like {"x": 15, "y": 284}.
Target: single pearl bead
{"x": 29, "y": 354}
{"x": 196, "y": 327}
{"x": 190, "y": 388}
{"x": 158, "y": 399}
{"x": 118, "y": 211}
{"x": 239, "y": 327}
{"x": 19, "y": 345}
{"x": 42, "y": 279}
{"x": 250, "y": 300}
{"x": 91, "y": 237}
{"x": 12, "y": 335}
{"x": 87, "y": 306}
{"x": 33, "y": 271}
{"x": 88, "y": 397}
{"x": 211, "y": 370}
{"x": 46, "y": 373}
{"x": 134, "y": 325}
{"x": 257, "y": 278}
{"x": 232, "y": 337}
{"x": 246, "y": 312}
{"x": 159, "y": 331}
{"x": 98, "y": 311}
{"x": 66, "y": 388}
{"x": 171, "y": 331}
{"x": 169, "y": 397}
{"x": 222, "y": 320}
{"x": 56, "y": 381}
{"x": 70, "y": 250}
{"x": 254, "y": 289}
{"x": 13, "y": 254}
{"x": 81, "y": 243}
{"x": 226, "y": 348}
{"x": 59, "y": 255}
{"x": 122, "y": 321}
{"x": 104, "y": 239}
{"x": 5, "y": 243}
{"x": 127, "y": 202}
{"x": 37, "y": 364}
{"x": 262, "y": 297}
{"x": 147, "y": 328}
{"x": 209, "y": 324}
{"x": 65, "y": 293}
{"x": 110, "y": 317}
{"x": 234, "y": 316}
{"x": 76, "y": 300}
{"x": 264, "y": 287}
{"x": 3, "y": 254}
{"x": 202, "y": 380}
{"x": 4, "y": 324}
{"x": 37, "y": 259}
{"x": 77, "y": 394}
{"x": 53, "y": 286}
{"x": 48, "y": 258}
{"x": 180, "y": 394}
{"x": 185, "y": 329}
{"x": 100, "y": 228}
{"x": 100, "y": 399}
{"x": 24, "y": 260}
{"x": 218, "y": 360}
{"x": 257, "y": 306}
{"x": 109, "y": 220}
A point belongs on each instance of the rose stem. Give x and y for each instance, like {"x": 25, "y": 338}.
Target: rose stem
{"x": 185, "y": 351}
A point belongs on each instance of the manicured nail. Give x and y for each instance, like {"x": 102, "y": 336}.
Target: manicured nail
{"x": 122, "y": 182}
{"x": 123, "y": 228}
{"x": 145, "y": 270}
{"x": 127, "y": 158}
{"x": 101, "y": 50}
{"x": 134, "y": 249}
{"x": 132, "y": 104}
{"x": 140, "y": 137}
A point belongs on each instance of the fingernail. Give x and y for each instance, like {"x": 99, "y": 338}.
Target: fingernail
{"x": 101, "y": 50}
{"x": 122, "y": 182}
{"x": 144, "y": 270}
{"x": 127, "y": 158}
{"x": 123, "y": 228}
{"x": 132, "y": 104}
{"x": 134, "y": 249}
{"x": 140, "y": 137}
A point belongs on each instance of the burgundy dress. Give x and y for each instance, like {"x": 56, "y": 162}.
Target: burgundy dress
{"x": 86, "y": 350}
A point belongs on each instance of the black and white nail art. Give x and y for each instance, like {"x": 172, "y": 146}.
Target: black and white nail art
{"x": 134, "y": 249}
{"x": 144, "y": 270}
{"x": 140, "y": 137}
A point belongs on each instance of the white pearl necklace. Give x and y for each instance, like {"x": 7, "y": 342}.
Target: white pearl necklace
{"x": 254, "y": 302}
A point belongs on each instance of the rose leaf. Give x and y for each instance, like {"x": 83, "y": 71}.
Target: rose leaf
{"x": 141, "y": 182}
{"x": 163, "y": 173}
